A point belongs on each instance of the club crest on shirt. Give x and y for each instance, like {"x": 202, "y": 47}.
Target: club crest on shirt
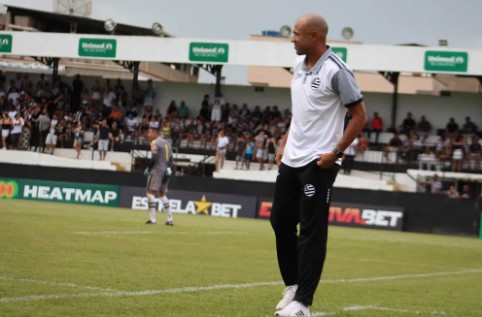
{"x": 298, "y": 75}
{"x": 309, "y": 190}
{"x": 315, "y": 83}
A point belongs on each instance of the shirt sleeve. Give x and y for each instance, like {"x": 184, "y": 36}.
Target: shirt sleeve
{"x": 345, "y": 86}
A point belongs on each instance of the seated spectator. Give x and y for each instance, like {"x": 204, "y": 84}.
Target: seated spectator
{"x": 177, "y": 126}
{"x": 435, "y": 185}
{"x": 362, "y": 145}
{"x": 256, "y": 115}
{"x": 393, "y": 146}
{"x": 143, "y": 128}
{"x": 132, "y": 126}
{"x": 428, "y": 160}
{"x": 116, "y": 113}
{"x": 275, "y": 113}
{"x": 475, "y": 153}
{"x": 376, "y": 126}
{"x": 165, "y": 127}
{"x": 155, "y": 122}
{"x": 131, "y": 111}
{"x": 451, "y": 127}
{"x": 171, "y": 111}
{"x": 442, "y": 143}
{"x": 469, "y": 127}
{"x": 423, "y": 128}
{"x": 452, "y": 192}
{"x": 444, "y": 156}
{"x": 408, "y": 124}
{"x": 244, "y": 112}
{"x": 412, "y": 147}
{"x": 466, "y": 193}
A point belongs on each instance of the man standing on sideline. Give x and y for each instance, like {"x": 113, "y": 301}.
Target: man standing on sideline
{"x": 159, "y": 172}
{"x": 223, "y": 142}
{"x": 323, "y": 89}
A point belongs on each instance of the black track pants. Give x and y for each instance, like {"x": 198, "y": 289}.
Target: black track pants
{"x": 302, "y": 195}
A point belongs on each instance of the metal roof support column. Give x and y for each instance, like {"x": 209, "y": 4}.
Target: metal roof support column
{"x": 394, "y": 80}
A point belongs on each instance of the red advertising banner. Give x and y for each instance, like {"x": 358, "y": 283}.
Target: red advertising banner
{"x": 354, "y": 215}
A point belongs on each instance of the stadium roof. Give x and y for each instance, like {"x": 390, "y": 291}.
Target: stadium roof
{"x": 45, "y": 21}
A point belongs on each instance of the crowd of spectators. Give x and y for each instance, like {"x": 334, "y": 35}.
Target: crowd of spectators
{"x": 457, "y": 147}
{"x": 451, "y": 188}
{"x": 44, "y": 115}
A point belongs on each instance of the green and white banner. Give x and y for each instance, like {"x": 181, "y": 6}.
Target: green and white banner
{"x": 446, "y": 61}
{"x": 105, "y": 48}
{"x": 208, "y": 52}
{"x": 6, "y": 43}
{"x": 89, "y": 194}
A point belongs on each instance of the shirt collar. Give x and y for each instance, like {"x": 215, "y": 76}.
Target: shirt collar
{"x": 319, "y": 63}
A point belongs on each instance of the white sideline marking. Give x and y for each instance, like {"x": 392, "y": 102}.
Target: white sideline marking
{"x": 371, "y": 307}
{"x": 136, "y": 293}
{"x": 222, "y": 286}
{"x": 111, "y": 233}
{"x": 27, "y": 280}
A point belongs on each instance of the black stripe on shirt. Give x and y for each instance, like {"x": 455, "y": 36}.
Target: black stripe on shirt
{"x": 337, "y": 61}
{"x": 351, "y": 104}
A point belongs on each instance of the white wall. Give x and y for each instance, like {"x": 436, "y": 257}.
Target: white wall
{"x": 436, "y": 109}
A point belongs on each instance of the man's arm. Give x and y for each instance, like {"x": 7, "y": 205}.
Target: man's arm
{"x": 355, "y": 126}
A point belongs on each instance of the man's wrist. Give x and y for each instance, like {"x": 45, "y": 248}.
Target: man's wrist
{"x": 339, "y": 153}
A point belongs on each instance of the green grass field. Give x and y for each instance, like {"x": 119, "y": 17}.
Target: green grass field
{"x": 71, "y": 260}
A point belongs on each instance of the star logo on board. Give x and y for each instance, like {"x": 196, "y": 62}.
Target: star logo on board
{"x": 202, "y": 206}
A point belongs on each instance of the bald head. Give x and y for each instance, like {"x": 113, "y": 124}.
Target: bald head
{"x": 309, "y": 36}
{"x": 313, "y": 22}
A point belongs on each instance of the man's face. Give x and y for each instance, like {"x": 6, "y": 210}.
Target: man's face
{"x": 301, "y": 38}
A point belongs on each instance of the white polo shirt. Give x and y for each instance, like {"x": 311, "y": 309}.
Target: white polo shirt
{"x": 319, "y": 99}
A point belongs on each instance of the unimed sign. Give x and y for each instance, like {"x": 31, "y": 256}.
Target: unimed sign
{"x": 89, "y": 47}
{"x": 208, "y": 52}
{"x": 446, "y": 61}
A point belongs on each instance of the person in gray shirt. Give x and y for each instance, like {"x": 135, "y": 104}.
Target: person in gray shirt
{"x": 159, "y": 172}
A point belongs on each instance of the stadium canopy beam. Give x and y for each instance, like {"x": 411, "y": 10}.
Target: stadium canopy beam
{"x": 392, "y": 77}
{"x": 52, "y": 62}
{"x": 133, "y": 66}
{"x": 216, "y": 70}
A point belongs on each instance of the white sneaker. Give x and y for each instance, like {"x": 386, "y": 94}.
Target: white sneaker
{"x": 294, "y": 309}
{"x": 288, "y": 296}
